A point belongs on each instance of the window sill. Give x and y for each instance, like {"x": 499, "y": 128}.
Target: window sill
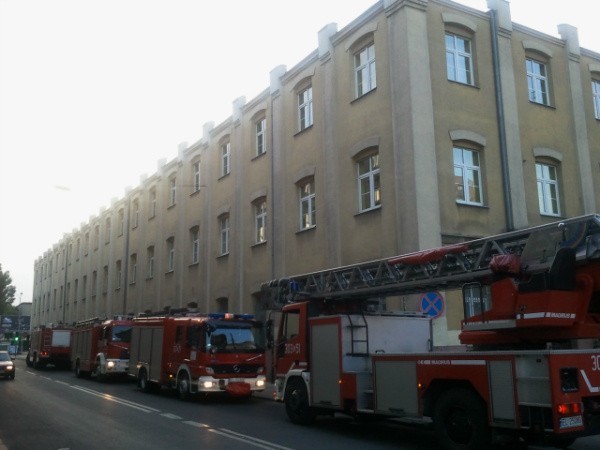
{"x": 194, "y": 264}
{"x": 303, "y": 130}
{"x": 223, "y": 255}
{"x": 475, "y": 205}
{"x": 543, "y": 105}
{"x": 304, "y": 230}
{"x": 460, "y": 83}
{"x": 366, "y": 94}
{"x": 258, "y": 244}
{"x": 169, "y": 272}
{"x": 224, "y": 176}
{"x": 255, "y": 157}
{"x": 367, "y": 211}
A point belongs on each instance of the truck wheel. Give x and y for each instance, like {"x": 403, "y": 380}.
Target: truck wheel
{"x": 78, "y": 372}
{"x": 460, "y": 421}
{"x": 183, "y": 387}
{"x": 28, "y": 360}
{"x": 296, "y": 403}
{"x": 143, "y": 382}
{"x": 36, "y": 363}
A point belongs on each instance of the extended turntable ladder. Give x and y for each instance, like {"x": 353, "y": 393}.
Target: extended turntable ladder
{"x": 441, "y": 268}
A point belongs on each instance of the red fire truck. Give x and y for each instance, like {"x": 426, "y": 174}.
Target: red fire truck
{"x": 49, "y": 345}
{"x": 528, "y": 368}
{"x": 100, "y": 347}
{"x": 198, "y": 353}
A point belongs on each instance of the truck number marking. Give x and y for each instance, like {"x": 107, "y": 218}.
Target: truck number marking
{"x": 292, "y": 349}
{"x": 595, "y": 362}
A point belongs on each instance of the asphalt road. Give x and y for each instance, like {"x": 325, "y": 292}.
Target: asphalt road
{"x": 53, "y": 409}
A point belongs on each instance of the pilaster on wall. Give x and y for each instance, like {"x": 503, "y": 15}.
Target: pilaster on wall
{"x": 569, "y": 34}
{"x": 416, "y": 190}
{"x": 508, "y": 94}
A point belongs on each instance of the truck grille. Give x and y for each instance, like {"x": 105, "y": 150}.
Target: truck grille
{"x": 234, "y": 369}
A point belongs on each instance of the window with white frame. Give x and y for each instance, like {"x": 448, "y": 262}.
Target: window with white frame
{"x": 261, "y": 143}
{"x": 225, "y": 159}
{"x": 537, "y": 81}
{"x": 467, "y": 176}
{"x": 152, "y": 203}
{"x": 136, "y": 213}
{"x": 133, "y": 268}
{"x": 547, "y": 185}
{"x": 305, "y": 109}
{"x": 118, "y": 275}
{"x": 369, "y": 188}
{"x": 459, "y": 59}
{"x": 224, "y": 234}
{"x": 172, "y": 191}
{"x": 195, "y": 238}
{"x": 121, "y": 223}
{"x": 364, "y": 70}
{"x": 307, "y": 205}
{"x": 596, "y": 93}
{"x": 170, "y": 254}
{"x": 150, "y": 262}
{"x": 260, "y": 221}
{"x": 107, "y": 230}
{"x": 196, "y": 176}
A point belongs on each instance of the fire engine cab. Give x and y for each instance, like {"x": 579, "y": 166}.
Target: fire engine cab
{"x": 527, "y": 369}
{"x": 198, "y": 353}
{"x": 100, "y": 347}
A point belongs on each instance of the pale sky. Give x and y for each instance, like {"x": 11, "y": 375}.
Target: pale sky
{"x": 94, "y": 92}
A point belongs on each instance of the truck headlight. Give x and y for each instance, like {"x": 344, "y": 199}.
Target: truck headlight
{"x": 208, "y": 384}
{"x": 260, "y": 383}
{"x": 110, "y": 364}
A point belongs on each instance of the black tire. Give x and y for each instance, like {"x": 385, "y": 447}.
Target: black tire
{"x": 460, "y": 421}
{"x": 28, "y": 360}
{"x": 296, "y": 403}
{"x": 78, "y": 372}
{"x": 36, "y": 362}
{"x": 143, "y": 382}
{"x": 183, "y": 387}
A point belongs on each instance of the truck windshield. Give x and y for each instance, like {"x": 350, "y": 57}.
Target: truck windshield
{"x": 121, "y": 333}
{"x": 233, "y": 337}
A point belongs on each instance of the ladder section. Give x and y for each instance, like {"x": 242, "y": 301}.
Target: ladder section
{"x": 530, "y": 250}
{"x": 359, "y": 336}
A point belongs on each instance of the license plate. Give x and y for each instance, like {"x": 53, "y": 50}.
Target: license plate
{"x": 570, "y": 422}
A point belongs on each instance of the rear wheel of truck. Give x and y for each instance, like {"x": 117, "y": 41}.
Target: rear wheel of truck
{"x": 143, "y": 382}
{"x": 460, "y": 421}
{"x": 296, "y": 403}
{"x": 183, "y": 386}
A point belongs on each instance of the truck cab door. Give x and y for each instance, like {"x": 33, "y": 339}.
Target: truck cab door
{"x": 291, "y": 346}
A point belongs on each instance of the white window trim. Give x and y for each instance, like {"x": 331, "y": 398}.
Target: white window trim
{"x": 372, "y": 174}
{"x": 226, "y": 159}
{"x": 366, "y": 68}
{"x": 195, "y": 246}
{"x": 456, "y": 56}
{"x": 544, "y": 185}
{"x": 596, "y": 95}
{"x": 224, "y": 230}
{"x": 170, "y": 254}
{"x": 260, "y": 221}
{"x": 534, "y": 94}
{"x": 261, "y": 138}
{"x": 172, "y": 191}
{"x": 309, "y": 201}
{"x": 196, "y": 174}
{"x": 465, "y": 169}
{"x": 305, "y": 109}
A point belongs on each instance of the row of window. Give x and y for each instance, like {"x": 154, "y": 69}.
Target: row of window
{"x": 469, "y": 189}
{"x": 459, "y": 65}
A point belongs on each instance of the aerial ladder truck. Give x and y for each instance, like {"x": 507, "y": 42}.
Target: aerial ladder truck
{"x": 527, "y": 369}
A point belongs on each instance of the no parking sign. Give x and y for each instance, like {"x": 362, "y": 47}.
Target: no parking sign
{"x": 432, "y": 304}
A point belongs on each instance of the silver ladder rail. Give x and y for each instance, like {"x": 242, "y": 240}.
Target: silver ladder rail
{"x": 439, "y": 268}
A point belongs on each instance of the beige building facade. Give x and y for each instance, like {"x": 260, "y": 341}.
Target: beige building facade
{"x": 419, "y": 124}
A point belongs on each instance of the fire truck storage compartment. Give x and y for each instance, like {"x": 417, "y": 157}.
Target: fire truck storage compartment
{"x": 351, "y": 340}
{"x": 61, "y": 338}
{"x": 82, "y": 345}
{"x": 502, "y": 391}
{"x": 396, "y": 383}
{"x": 146, "y": 348}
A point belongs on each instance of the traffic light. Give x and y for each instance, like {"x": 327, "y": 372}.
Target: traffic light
{"x": 16, "y": 338}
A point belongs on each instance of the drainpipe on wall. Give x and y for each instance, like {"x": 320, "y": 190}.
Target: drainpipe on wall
{"x": 508, "y": 208}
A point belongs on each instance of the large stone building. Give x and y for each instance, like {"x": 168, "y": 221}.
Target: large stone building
{"x": 421, "y": 123}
